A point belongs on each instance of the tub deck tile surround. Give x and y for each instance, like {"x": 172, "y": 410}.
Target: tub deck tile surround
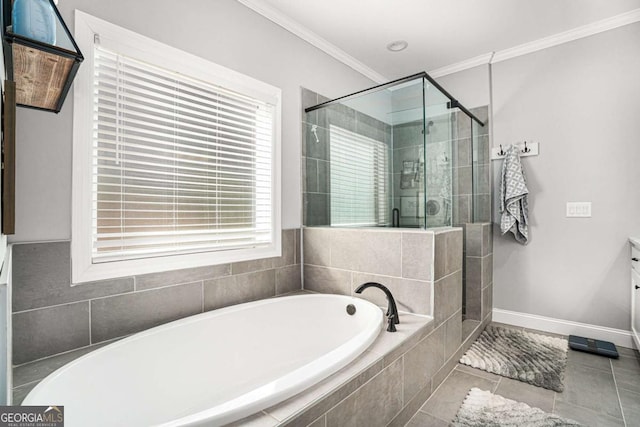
{"x": 52, "y": 317}
{"x": 415, "y": 248}
{"x": 130, "y": 313}
{"x": 288, "y": 279}
{"x": 370, "y": 252}
{"x": 42, "y": 278}
{"x": 298, "y": 246}
{"x": 326, "y": 280}
{"x": 375, "y": 361}
{"x": 344, "y": 392}
{"x": 429, "y": 269}
{"x": 448, "y": 291}
{"x": 178, "y": 277}
{"x": 479, "y": 270}
{"x": 239, "y": 288}
{"x": 453, "y": 334}
{"x": 306, "y": 407}
{"x": 52, "y": 330}
{"x": 316, "y": 246}
{"x": 424, "y": 361}
{"x": 260, "y": 419}
{"x": 379, "y": 399}
{"x": 288, "y": 256}
{"x": 403, "y": 291}
{"x": 448, "y": 252}
{"x": 391, "y": 356}
{"x": 338, "y": 260}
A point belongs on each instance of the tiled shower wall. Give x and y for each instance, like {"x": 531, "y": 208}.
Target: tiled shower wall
{"x": 50, "y": 316}
{"x": 449, "y": 145}
{"x": 407, "y": 146}
{"x": 472, "y": 161}
{"x": 315, "y": 152}
{"x": 472, "y": 206}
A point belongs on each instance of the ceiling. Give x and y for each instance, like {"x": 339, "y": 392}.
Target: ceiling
{"x": 439, "y": 32}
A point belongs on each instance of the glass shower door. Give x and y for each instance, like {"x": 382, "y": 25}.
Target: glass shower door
{"x": 438, "y": 161}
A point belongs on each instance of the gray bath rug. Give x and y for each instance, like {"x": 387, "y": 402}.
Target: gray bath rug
{"x": 531, "y": 358}
{"x": 483, "y": 408}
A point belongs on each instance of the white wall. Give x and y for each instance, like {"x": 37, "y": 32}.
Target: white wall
{"x": 581, "y": 102}
{"x": 470, "y": 87}
{"x": 222, "y": 31}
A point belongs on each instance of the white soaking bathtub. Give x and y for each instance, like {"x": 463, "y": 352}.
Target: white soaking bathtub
{"x": 213, "y": 368}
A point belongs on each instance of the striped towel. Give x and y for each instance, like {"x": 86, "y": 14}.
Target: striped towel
{"x": 514, "y": 205}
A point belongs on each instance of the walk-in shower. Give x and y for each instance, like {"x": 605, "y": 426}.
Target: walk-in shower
{"x": 404, "y": 154}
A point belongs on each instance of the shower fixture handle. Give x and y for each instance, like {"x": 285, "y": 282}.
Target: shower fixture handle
{"x": 391, "y": 323}
{"x": 314, "y": 131}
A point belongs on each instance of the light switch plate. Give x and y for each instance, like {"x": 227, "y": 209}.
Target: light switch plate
{"x": 578, "y": 209}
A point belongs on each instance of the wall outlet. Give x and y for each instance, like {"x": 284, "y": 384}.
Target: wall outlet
{"x": 578, "y": 209}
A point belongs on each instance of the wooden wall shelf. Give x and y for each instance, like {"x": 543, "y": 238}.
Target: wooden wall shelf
{"x": 43, "y": 73}
{"x": 40, "y": 77}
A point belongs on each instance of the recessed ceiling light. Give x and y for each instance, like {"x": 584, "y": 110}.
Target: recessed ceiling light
{"x": 397, "y": 45}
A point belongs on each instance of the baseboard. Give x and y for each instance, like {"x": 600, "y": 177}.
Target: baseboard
{"x": 563, "y": 327}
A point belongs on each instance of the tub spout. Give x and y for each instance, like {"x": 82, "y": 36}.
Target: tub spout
{"x": 392, "y": 309}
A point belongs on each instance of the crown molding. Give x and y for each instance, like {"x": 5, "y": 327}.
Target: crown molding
{"x": 277, "y": 17}
{"x": 577, "y": 33}
{"x": 462, "y": 65}
{"x": 567, "y": 36}
{"x": 263, "y": 8}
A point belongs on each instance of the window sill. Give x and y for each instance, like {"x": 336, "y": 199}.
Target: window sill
{"x": 84, "y": 271}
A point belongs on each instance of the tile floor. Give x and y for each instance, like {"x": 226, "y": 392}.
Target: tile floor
{"x": 599, "y": 391}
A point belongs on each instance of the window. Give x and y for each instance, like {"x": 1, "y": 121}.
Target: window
{"x": 359, "y": 189}
{"x": 177, "y": 159}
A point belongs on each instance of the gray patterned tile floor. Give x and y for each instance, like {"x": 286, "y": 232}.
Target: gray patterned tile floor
{"x": 599, "y": 391}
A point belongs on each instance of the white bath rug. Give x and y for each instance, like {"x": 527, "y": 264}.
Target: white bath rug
{"x": 531, "y": 358}
{"x": 483, "y": 408}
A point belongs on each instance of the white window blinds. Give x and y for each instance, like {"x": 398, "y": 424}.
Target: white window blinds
{"x": 359, "y": 179}
{"x": 179, "y": 165}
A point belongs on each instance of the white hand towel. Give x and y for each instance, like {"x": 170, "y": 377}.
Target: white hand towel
{"x": 514, "y": 204}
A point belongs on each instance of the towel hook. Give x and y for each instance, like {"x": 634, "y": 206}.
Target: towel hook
{"x": 526, "y": 149}
{"x": 501, "y": 152}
